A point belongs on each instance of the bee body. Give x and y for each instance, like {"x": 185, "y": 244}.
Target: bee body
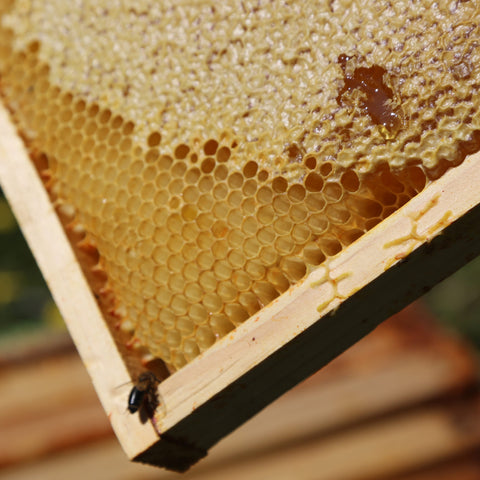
{"x": 143, "y": 390}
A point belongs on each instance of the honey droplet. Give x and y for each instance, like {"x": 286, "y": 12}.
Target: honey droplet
{"x": 377, "y": 98}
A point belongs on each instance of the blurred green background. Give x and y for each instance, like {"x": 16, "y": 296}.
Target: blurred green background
{"x": 26, "y": 306}
{"x": 27, "y": 309}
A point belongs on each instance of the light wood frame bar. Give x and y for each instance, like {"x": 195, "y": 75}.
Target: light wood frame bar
{"x": 426, "y": 240}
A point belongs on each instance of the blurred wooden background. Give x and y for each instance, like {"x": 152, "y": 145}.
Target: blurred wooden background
{"x": 401, "y": 404}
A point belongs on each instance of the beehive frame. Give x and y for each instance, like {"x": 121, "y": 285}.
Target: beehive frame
{"x": 423, "y": 242}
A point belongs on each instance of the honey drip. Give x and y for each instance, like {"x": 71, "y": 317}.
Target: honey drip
{"x": 377, "y": 97}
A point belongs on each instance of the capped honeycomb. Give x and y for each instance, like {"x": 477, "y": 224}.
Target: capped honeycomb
{"x": 207, "y": 156}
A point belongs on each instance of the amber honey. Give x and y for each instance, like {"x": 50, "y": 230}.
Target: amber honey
{"x": 377, "y": 97}
{"x": 208, "y": 157}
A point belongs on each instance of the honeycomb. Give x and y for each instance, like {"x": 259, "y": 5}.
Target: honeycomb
{"x": 207, "y": 156}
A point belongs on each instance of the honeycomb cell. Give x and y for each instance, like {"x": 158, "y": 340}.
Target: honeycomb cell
{"x": 190, "y": 251}
{"x": 178, "y": 169}
{"x": 220, "y": 173}
{"x": 365, "y": 207}
{"x": 205, "y": 184}
{"x": 205, "y": 203}
{"x": 190, "y": 194}
{"x": 298, "y": 213}
{"x": 175, "y": 187}
{"x": 174, "y": 243}
{"x": 417, "y": 177}
{"x": 333, "y": 192}
{"x": 248, "y": 206}
{"x": 185, "y": 325}
{"x": 208, "y": 191}
{"x": 178, "y": 359}
{"x": 250, "y": 169}
{"x": 250, "y": 301}
{"x": 313, "y": 254}
{"x": 181, "y": 151}
{"x": 266, "y": 236}
{"x": 265, "y": 292}
{"x": 262, "y": 176}
{"x": 190, "y": 349}
{"x": 205, "y": 260}
{"x": 293, "y": 268}
{"x": 241, "y": 280}
{"x": 210, "y": 147}
{"x": 198, "y": 313}
{"x": 301, "y": 234}
{"x": 235, "y": 240}
{"x": 153, "y": 156}
{"x": 168, "y": 320}
{"x": 213, "y": 302}
{"x": 268, "y": 256}
{"x": 207, "y": 165}
{"x": 222, "y": 270}
{"x": 278, "y": 280}
{"x": 205, "y": 221}
{"x": 221, "y": 325}
{"x": 191, "y": 272}
{"x": 208, "y": 281}
{"x": 349, "y": 236}
{"x": 152, "y": 309}
{"x": 153, "y": 139}
{"x": 176, "y": 283}
{"x": 235, "y": 180}
{"x": 219, "y": 229}
{"x": 223, "y": 154}
{"x": 205, "y": 337}
{"x": 249, "y": 226}
{"x": 330, "y": 246}
{"x": 220, "y": 210}
{"x": 255, "y": 269}
{"x": 350, "y": 181}
{"x": 160, "y": 275}
{"x": 337, "y": 214}
{"x": 326, "y": 169}
{"x": 227, "y": 291}
{"x": 220, "y": 249}
{"x": 315, "y": 202}
{"x": 193, "y": 292}
{"x": 251, "y": 247}
{"x": 175, "y": 263}
{"x": 266, "y": 215}
{"x": 279, "y": 185}
{"x": 189, "y": 213}
{"x": 174, "y": 202}
{"x": 264, "y": 195}
{"x": 314, "y": 182}
{"x": 284, "y": 245}
{"x": 282, "y": 225}
{"x": 159, "y": 215}
{"x": 249, "y": 188}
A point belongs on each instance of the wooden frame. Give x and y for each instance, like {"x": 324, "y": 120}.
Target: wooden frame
{"x": 291, "y": 338}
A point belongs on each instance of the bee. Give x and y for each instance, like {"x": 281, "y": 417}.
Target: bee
{"x": 143, "y": 393}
